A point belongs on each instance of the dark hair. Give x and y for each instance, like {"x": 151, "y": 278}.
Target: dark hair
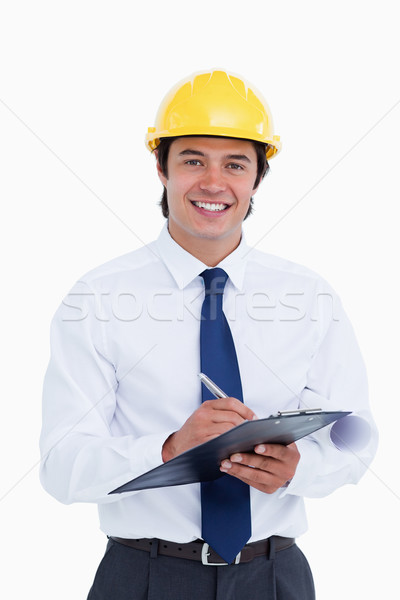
{"x": 162, "y": 158}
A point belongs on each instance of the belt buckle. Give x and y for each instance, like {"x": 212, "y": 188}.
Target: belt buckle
{"x": 205, "y": 554}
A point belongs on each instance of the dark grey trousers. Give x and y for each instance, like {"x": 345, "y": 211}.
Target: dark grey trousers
{"x": 128, "y": 574}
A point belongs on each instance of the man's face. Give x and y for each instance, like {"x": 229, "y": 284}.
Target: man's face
{"x": 209, "y": 186}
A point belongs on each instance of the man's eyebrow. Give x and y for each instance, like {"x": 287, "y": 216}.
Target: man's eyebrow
{"x": 239, "y": 157}
{"x": 189, "y": 151}
{"x": 242, "y": 157}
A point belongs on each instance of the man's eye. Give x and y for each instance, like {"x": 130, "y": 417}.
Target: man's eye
{"x": 193, "y": 162}
{"x": 235, "y": 166}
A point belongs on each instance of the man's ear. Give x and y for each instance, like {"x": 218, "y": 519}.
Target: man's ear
{"x": 254, "y": 190}
{"x": 161, "y": 175}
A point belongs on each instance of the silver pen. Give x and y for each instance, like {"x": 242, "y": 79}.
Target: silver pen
{"x": 210, "y": 385}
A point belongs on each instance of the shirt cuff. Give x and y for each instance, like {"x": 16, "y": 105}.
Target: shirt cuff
{"x": 146, "y": 452}
{"x": 307, "y": 470}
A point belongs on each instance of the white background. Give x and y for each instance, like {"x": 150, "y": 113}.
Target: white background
{"x": 80, "y": 83}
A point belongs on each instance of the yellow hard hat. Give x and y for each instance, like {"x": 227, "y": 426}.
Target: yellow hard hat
{"x": 215, "y": 103}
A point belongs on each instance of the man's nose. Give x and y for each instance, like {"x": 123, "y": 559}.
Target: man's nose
{"x": 213, "y": 180}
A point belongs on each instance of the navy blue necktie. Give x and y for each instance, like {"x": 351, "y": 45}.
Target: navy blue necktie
{"x": 225, "y": 502}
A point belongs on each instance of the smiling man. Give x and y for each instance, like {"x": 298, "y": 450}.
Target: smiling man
{"x": 122, "y": 396}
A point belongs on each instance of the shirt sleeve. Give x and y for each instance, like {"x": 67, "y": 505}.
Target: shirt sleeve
{"x": 81, "y": 460}
{"x": 339, "y": 454}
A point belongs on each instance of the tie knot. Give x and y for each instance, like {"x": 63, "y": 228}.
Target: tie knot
{"x": 214, "y": 280}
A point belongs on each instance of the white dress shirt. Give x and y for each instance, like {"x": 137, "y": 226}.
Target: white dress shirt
{"x": 123, "y": 375}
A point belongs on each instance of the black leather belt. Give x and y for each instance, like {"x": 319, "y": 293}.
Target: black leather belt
{"x": 201, "y": 551}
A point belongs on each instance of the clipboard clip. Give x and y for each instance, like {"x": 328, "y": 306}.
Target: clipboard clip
{"x": 304, "y": 411}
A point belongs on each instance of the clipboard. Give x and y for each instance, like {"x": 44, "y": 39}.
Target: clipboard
{"x": 202, "y": 462}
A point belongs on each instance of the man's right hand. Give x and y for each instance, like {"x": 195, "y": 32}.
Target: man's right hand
{"x": 211, "y": 419}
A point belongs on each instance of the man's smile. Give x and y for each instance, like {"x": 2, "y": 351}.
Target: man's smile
{"x": 213, "y": 207}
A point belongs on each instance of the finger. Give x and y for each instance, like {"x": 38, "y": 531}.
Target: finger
{"x": 216, "y": 429}
{"x": 264, "y": 463}
{"x": 283, "y": 470}
{"x": 227, "y": 416}
{"x": 257, "y": 478}
{"x": 277, "y": 451}
{"x": 231, "y": 405}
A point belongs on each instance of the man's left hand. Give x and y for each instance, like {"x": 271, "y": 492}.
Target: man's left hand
{"x": 267, "y": 469}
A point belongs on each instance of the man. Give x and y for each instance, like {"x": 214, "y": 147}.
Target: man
{"x": 122, "y": 395}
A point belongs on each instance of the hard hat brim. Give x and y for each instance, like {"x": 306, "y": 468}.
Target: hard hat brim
{"x": 272, "y": 146}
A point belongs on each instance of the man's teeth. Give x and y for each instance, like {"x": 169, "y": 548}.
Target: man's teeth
{"x": 209, "y": 206}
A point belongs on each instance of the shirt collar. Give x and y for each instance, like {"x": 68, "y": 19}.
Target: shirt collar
{"x": 184, "y": 267}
